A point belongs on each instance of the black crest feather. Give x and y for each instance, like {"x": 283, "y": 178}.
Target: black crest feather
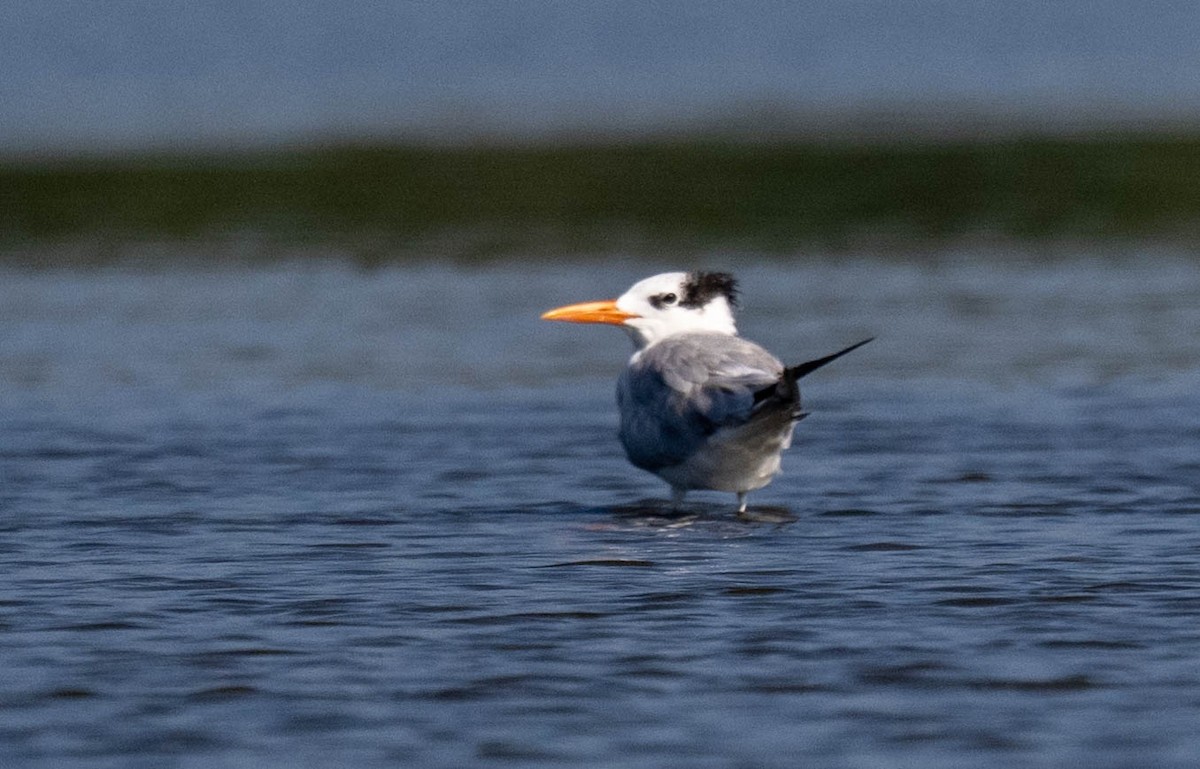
{"x": 701, "y": 287}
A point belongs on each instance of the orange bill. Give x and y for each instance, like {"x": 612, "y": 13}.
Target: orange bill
{"x": 590, "y": 312}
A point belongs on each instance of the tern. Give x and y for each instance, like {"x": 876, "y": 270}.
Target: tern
{"x": 700, "y": 407}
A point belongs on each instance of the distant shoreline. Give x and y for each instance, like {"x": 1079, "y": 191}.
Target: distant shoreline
{"x": 481, "y": 200}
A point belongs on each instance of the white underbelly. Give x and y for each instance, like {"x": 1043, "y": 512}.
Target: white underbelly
{"x": 731, "y": 460}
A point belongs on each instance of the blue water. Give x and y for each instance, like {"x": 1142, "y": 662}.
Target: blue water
{"x": 84, "y": 75}
{"x": 307, "y": 515}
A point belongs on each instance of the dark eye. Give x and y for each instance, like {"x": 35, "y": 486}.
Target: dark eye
{"x": 668, "y": 298}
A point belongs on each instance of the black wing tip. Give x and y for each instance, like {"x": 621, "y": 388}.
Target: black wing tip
{"x": 786, "y": 388}
{"x": 803, "y": 369}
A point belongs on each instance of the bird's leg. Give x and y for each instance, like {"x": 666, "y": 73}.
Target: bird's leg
{"x": 741, "y": 502}
{"x": 677, "y": 495}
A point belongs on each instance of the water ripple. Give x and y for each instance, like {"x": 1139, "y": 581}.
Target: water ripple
{"x": 375, "y": 575}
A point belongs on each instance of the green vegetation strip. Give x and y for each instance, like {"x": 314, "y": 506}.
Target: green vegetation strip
{"x": 773, "y": 195}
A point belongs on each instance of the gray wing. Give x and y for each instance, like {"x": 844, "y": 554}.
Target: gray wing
{"x": 683, "y": 389}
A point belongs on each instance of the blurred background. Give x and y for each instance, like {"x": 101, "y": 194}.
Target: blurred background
{"x": 1019, "y": 172}
{"x": 479, "y": 129}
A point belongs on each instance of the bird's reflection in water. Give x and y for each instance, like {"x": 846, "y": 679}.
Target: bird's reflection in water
{"x": 660, "y": 514}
